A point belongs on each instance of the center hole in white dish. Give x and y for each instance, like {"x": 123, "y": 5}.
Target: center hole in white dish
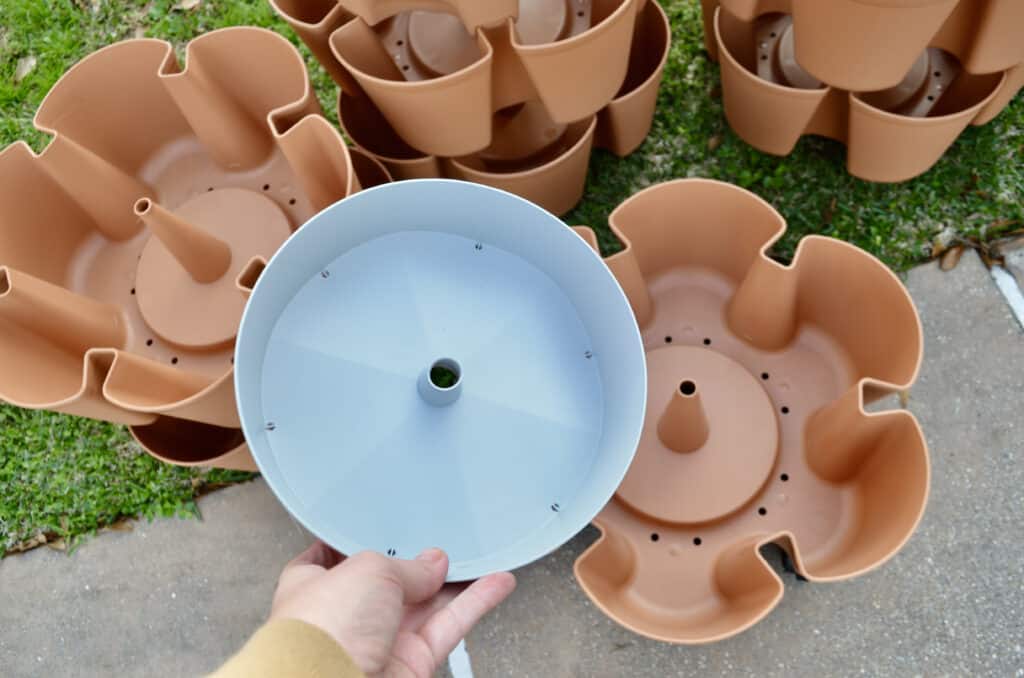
{"x": 445, "y": 373}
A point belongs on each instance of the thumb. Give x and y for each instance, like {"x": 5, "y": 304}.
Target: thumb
{"x": 421, "y": 578}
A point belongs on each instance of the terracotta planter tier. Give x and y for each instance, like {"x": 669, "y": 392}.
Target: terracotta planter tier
{"x": 163, "y": 191}
{"x": 439, "y": 86}
{"x": 429, "y": 98}
{"x": 771, "y": 99}
{"x": 530, "y": 154}
{"x": 756, "y": 430}
{"x": 869, "y": 45}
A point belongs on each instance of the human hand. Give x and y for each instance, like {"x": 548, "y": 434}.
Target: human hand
{"x": 393, "y": 617}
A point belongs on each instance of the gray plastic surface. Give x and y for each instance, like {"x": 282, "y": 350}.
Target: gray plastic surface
{"x": 356, "y": 307}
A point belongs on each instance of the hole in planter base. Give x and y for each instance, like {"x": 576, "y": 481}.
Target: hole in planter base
{"x": 250, "y": 273}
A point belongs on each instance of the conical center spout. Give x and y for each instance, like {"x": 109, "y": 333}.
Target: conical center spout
{"x": 683, "y": 426}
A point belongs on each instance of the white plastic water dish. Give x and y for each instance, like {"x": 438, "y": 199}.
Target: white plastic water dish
{"x": 438, "y": 363}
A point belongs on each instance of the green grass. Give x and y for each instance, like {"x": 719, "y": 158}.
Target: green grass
{"x": 67, "y": 477}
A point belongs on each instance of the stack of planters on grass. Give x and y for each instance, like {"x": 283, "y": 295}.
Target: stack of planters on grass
{"x": 508, "y": 93}
{"x": 896, "y": 80}
{"x": 129, "y": 245}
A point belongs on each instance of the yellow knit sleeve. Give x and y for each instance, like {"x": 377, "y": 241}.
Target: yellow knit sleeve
{"x": 288, "y": 648}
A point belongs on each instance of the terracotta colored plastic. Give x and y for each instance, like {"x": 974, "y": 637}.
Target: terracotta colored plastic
{"x": 128, "y": 245}
{"x": 868, "y": 45}
{"x": 494, "y": 107}
{"x": 756, "y": 429}
{"x": 449, "y": 113}
{"x": 892, "y": 135}
{"x": 471, "y": 13}
{"x": 314, "y": 21}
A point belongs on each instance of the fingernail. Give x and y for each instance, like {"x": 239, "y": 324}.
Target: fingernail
{"x": 431, "y": 555}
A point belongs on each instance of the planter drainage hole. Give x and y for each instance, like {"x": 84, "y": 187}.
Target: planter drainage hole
{"x": 764, "y": 375}
{"x": 392, "y": 552}
{"x": 707, "y": 342}
{"x": 555, "y": 507}
{"x": 405, "y": 67}
{"x": 937, "y": 74}
{"x": 668, "y": 340}
{"x": 785, "y": 410}
{"x": 445, "y": 373}
{"x": 478, "y": 246}
{"x": 266, "y": 187}
{"x": 174, "y": 360}
{"x": 133, "y": 290}
{"x": 696, "y": 541}
{"x": 687, "y": 388}
{"x": 209, "y": 189}
{"x": 654, "y": 536}
{"x": 762, "y": 511}
{"x": 400, "y": 43}
{"x": 579, "y": 13}
{"x": 784, "y": 477}
{"x": 270, "y": 426}
{"x": 292, "y": 201}
{"x": 149, "y": 342}
{"x": 931, "y": 98}
{"x": 588, "y": 354}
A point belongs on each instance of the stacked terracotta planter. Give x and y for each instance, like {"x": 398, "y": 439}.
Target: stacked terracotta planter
{"x": 896, "y": 80}
{"x": 756, "y": 429}
{"x": 128, "y": 246}
{"x": 509, "y": 93}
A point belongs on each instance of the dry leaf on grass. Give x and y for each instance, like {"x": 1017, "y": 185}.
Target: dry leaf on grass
{"x": 28, "y": 544}
{"x": 829, "y": 212}
{"x": 25, "y": 66}
{"x": 58, "y": 544}
{"x": 122, "y": 525}
{"x": 951, "y": 257}
{"x": 187, "y": 5}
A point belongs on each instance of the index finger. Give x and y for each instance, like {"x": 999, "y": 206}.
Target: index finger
{"x": 443, "y": 631}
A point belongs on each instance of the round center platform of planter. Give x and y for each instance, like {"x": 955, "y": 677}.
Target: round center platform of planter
{"x": 710, "y": 438}
{"x": 185, "y": 282}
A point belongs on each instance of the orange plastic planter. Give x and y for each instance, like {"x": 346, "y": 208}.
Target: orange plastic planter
{"x": 756, "y": 430}
{"x": 162, "y": 193}
{"x": 772, "y": 97}
{"x": 431, "y": 95}
{"x": 870, "y": 45}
